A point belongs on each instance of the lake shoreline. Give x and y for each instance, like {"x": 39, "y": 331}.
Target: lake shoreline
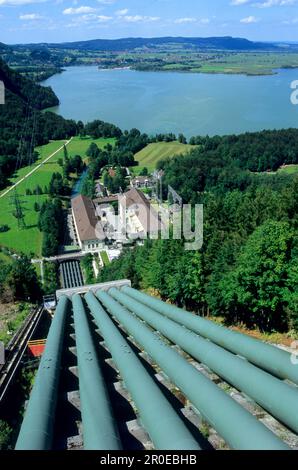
{"x": 204, "y": 72}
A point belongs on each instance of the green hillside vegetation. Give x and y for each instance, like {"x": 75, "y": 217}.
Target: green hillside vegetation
{"x": 150, "y": 155}
{"x": 5, "y": 258}
{"x": 38, "y": 96}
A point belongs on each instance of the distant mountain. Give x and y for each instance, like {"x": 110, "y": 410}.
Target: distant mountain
{"x": 213, "y": 43}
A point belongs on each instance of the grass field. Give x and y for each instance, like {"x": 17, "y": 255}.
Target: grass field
{"x": 150, "y": 155}
{"x": 284, "y": 170}
{"x": 79, "y": 145}
{"x": 29, "y": 240}
{"x": 258, "y": 63}
{"x": 104, "y": 258}
{"x": 288, "y": 170}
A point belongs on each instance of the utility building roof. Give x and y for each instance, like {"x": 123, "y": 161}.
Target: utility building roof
{"x": 137, "y": 204}
{"x": 88, "y": 225}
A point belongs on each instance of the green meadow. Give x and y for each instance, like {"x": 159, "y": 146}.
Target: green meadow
{"x": 283, "y": 170}
{"x": 104, "y": 258}
{"x": 150, "y": 155}
{"x": 288, "y": 169}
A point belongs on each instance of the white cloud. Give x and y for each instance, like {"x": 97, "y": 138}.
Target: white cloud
{"x": 185, "y": 20}
{"x": 140, "y": 19}
{"x": 30, "y": 16}
{"x": 78, "y": 11}
{"x": 122, "y": 12}
{"x": 249, "y": 20}
{"x": 103, "y": 18}
{"x": 204, "y": 21}
{"x": 89, "y": 19}
{"x": 274, "y": 3}
{"x": 239, "y": 2}
{"x": 192, "y": 20}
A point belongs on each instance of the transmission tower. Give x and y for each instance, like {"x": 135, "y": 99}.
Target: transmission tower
{"x": 18, "y": 212}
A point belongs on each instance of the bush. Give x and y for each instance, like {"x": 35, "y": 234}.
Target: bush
{"x": 5, "y": 434}
{"x": 86, "y": 264}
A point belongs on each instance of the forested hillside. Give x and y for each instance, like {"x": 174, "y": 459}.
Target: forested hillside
{"x": 38, "y": 96}
{"x": 22, "y": 125}
{"x": 255, "y": 151}
{"x": 247, "y": 270}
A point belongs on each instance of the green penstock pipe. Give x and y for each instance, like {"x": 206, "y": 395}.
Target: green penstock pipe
{"x": 37, "y": 427}
{"x": 99, "y": 426}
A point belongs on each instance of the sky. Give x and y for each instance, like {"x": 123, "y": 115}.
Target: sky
{"x": 26, "y": 21}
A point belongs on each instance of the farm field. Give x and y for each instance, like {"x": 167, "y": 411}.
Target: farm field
{"x": 29, "y": 240}
{"x": 261, "y": 63}
{"x": 150, "y": 155}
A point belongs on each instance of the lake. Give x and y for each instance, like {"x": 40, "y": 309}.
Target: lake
{"x": 194, "y": 104}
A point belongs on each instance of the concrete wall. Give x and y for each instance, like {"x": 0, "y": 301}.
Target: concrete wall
{"x": 105, "y": 286}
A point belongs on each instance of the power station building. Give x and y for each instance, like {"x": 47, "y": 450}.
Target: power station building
{"x": 137, "y": 220}
{"x": 89, "y": 229}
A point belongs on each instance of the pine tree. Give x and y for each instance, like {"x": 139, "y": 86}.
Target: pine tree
{"x": 66, "y": 157}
